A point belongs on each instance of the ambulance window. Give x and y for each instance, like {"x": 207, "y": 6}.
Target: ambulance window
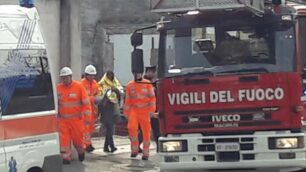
{"x": 25, "y": 82}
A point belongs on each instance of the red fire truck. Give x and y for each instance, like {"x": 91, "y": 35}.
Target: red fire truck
{"x": 230, "y": 83}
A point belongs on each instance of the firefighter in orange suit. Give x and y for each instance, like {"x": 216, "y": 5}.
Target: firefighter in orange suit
{"x": 74, "y": 107}
{"x": 92, "y": 88}
{"x": 140, "y": 104}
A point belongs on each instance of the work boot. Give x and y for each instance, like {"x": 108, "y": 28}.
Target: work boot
{"x": 90, "y": 148}
{"x": 145, "y": 158}
{"x": 66, "y": 162}
{"x": 113, "y": 149}
{"x": 105, "y": 149}
{"x": 133, "y": 155}
{"x": 81, "y": 157}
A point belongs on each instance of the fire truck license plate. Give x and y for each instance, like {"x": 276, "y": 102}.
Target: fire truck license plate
{"x": 227, "y": 147}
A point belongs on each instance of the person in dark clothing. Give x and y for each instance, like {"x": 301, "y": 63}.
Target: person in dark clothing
{"x": 108, "y": 119}
{"x": 110, "y": 91}
{"x": 150, "y": 74}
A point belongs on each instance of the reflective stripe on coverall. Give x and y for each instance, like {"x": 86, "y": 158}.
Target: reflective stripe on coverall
{"x": 140, "y": 101}
{"x": 74, "y": 106}
{"x": 92, "y": 91}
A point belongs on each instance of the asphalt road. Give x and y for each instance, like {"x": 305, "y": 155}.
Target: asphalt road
{"x": 111, "y": 163}
{"x": 120, "y": 161}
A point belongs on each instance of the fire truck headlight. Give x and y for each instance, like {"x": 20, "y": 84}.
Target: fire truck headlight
{"x": 286, "y": 143}
{"x": 173, "y": 146}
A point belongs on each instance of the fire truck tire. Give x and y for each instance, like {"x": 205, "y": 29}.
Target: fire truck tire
{"x": 35, "y": 169}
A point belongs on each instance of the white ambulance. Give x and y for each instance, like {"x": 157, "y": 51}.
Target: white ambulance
{"x": 29, "y": 141}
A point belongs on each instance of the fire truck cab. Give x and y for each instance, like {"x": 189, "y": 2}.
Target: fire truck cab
{"x": 230, "y": 84}
{"x": 29, "y": 141}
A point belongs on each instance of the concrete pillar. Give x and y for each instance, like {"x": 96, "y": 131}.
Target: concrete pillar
{"x": 70, "y": 31}
{"x": 49, "y": 11}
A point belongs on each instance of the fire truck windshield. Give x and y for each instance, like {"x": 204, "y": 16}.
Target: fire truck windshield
{"x": 231, "y": 48}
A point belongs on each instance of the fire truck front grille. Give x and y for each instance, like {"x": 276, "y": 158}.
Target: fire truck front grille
{"x": 211, "y": 120}
{"x": 209, "y": 158}
{"x": 245, "y": 150}
{"x": 228, "y": 156}
{"x": 206, "y": 148}
{"x": 248, "y": 156}
{"x": 225, "y": 140}
{"x": 247, "y": 146}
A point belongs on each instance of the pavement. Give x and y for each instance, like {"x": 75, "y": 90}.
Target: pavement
{"x": 122, "y": 143}
{"x": 126, "y": 164}
{"x": 99, "y": 161}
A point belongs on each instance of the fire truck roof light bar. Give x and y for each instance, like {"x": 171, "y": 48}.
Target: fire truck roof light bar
{"x": 183, "y": 6}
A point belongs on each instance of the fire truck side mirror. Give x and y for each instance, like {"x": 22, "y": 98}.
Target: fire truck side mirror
{"x": 136, "y": 39}
{"x": 137, "y": 61}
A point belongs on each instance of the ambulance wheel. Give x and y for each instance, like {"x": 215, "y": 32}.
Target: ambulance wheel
{"x": 35, "y": 169}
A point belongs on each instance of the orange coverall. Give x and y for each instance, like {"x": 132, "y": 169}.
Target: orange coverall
{"x": 92, "y": 91}
{"x": 140, "y": 101}
{"x": 74, "y": 107}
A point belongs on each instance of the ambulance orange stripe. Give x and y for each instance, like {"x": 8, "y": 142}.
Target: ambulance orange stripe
{"x": 24, "y": 127}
